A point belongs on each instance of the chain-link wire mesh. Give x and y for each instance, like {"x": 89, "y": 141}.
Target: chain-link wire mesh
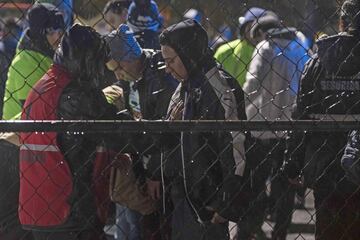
{"x": 179, "y": 119}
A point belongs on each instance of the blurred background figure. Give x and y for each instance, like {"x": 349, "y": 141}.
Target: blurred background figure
{"x": 11, "y": 33}
{"x": 235, "y": 56}
{"x": 271, "y": 84}
{"x": 223, "y": 35}
{"x": 33, "y": 55}
{"x": 193, "y": 14}
{"x": 145, "y": 21}
{"x": 115, "y": 13}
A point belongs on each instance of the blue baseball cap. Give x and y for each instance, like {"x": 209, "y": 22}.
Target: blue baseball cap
{"x": 123, "y": 45}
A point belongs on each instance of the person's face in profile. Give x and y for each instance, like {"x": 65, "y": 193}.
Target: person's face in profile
{"x": 174, "y": 65}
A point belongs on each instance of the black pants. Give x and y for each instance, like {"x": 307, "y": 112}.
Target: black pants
{"x": 16, "y": 233}
{"x": 337, "y": 212}
{"x": 10, "y": 227}
{"x": 264, "y": 159}
{"x": 184, "y": 223}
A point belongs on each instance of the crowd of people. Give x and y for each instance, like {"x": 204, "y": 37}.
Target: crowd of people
{"x": 176, "y": 185}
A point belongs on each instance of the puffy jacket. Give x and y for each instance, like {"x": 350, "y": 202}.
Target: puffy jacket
{"x": 68, "y": 171}
{"x": 235, "y": 58}
{"x": 329, "y": 90}
{"x": 30, "y": 63}
{"x": 78, "y": 180}
{"x": 272, "y": 79}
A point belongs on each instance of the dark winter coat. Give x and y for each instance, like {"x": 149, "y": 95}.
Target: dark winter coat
{"x": 329, "y": 90}
{"x": 210, "y": 164}
{"x": 155, "y": 87}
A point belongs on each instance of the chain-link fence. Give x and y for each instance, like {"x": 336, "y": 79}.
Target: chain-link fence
{"x": 179, "y": 119}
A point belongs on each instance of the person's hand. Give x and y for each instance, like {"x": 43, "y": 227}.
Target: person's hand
{"x": 122, "y": 162}
{"x": 177, "y": 111}
{"x": 153, "y": 189}
{"x": 297, "y": 182}
{"x": 216, "y": 219}
{"x": 115, "y": 95}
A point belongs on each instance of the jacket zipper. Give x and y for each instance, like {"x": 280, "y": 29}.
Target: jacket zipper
{"x": 162, "y": 181}
{"x": 183, "y": 165}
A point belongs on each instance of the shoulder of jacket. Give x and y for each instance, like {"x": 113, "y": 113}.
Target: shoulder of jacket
{"x": 226, "y": 47}
{"x": 30, "y": 57}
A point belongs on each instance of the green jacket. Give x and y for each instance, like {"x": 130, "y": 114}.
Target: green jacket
{"x": 27, "y": 67}
{"x": 235, "y": 57}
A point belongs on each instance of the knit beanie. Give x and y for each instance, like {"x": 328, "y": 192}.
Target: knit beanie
{"x": 123, "y": 45}
{"x": 43, "y": 17}
{"x": 143, "y": 15}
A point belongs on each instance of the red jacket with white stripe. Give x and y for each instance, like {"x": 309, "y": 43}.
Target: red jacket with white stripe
{"x": 63, "y": 177}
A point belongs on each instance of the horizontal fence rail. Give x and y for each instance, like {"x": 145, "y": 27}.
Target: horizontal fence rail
{"x": 175, "y": 126}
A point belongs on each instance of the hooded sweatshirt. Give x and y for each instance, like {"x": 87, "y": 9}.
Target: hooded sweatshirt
{"x": 213, "y": 163}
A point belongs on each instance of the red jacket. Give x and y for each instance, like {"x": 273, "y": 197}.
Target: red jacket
{"x": 46, "y": 180}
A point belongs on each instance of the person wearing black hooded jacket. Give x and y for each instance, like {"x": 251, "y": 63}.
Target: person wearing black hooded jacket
{"x": 71, "y": 202}
{"x": 205, "y": 168}
{"x": 329, "y": 90}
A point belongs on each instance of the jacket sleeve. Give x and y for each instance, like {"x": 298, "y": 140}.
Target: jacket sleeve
{"x": 350, "y": 160}
{"x": 76, "y": 104}
{"x": 228, "y": 199}
{"x": 259, "y": 68}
